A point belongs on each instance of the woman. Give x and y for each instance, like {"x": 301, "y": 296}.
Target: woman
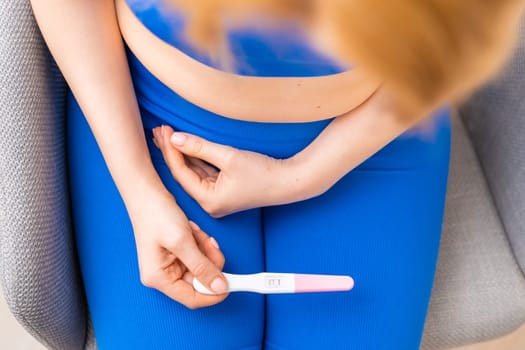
{"x": 291, "y": 161}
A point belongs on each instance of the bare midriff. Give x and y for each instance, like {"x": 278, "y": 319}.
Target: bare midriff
{"x": 250, "y": 98}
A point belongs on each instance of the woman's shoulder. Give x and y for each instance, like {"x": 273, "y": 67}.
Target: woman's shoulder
{"x": 282, "y": 50}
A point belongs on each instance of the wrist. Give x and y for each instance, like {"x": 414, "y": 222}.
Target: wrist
{"x": 143, "y": 188}
{"x": 297, "y": 182}
{"x": 146, "y": 200}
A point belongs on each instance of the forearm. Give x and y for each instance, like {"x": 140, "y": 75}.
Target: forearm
{"x": 84, "y": 39}
{"x": 345, "y": 143}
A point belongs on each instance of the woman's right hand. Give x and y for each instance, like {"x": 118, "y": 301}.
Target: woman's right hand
{"x": 172, "y": 250}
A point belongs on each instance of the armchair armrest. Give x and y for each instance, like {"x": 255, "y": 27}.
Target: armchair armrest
{"x": 38, "y": 268}
{"x": 495, "y": 120}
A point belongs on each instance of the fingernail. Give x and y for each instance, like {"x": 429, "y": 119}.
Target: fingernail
{"x": 178, "y": 138}
{"x": 214, "y": 242}
{"x": 219, "y": 285}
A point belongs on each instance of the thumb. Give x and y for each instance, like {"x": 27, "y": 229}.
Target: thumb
{"x": 214, "y": 153}
{"x": 202, "y": 268}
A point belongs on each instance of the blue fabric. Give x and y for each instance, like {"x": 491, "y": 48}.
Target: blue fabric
{"x": 281, "y": 49}
{"x": 380, "y": 223}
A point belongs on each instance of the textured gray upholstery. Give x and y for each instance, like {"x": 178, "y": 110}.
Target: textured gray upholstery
{"x": 38, "y": 270}
{"x": 91, "y": 342}
{"x": 495, "y": 119}
{"x": 479, "y": 290}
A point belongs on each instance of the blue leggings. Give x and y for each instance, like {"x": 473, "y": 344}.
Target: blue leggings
{"x": 380, "y": 223}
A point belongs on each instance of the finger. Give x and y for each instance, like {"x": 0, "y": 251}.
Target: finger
{"x": 191, "y": 181}
{"x": 214, "y": 253}
{"x": 208, "y": 245}
{"x": 197, "y": 170}
{"x": 168, "y": 278}
{"x": 200, "y": 236}
{"x": 214, "y": 153}
{"x": 200, "y": 265}
{"x": 183, "y": 292}
{"x": 188, "y": 277}
{"x": 210, "y": 170}
{"x": 156, "y": 143}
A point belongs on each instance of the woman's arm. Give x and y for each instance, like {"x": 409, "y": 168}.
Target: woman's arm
{"x": 248, "y": 179}
{"x": 345, "y": 143}
{"x": 84, "y": 38}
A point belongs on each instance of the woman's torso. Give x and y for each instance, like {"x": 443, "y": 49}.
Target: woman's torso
{"x": 278, "y": 134}
{"x": 278, "y": 75}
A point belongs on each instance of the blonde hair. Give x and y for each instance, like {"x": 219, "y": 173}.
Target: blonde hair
{"x": 427, "y": 52}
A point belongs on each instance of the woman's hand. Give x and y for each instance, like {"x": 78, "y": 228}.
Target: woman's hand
{"x": 241, "y": 180}
{"x": 172, "y": 250}
{"x": 223, "y": 179}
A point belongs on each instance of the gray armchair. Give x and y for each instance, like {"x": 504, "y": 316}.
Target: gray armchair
{"x": 479, "y": 290}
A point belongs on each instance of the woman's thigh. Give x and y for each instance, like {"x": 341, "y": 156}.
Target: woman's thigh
{"x": 127, "y": 315}
{"x": 381, "y": 224}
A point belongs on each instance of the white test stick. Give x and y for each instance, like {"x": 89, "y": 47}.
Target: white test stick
{"x": 273, "y": 283}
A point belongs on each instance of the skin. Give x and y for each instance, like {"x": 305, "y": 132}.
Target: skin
{"x": 264, "y": 99}
{"x": 84, "y": 38}
{"x": 246, "y": 179}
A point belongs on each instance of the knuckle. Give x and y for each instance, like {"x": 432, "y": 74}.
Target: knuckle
{"x": 192, "y": 304}
{"x": 148, "y": 280}
{"x": 215, "y": 208}
{"x": 175, "y": 242}
{"x": 200, "y": 269}
{"x": 216, "y": 214}
{"x": 208, "y": 206}
{"x": 198, "y": 146}
{"x": 230, "y": 157}
{"x": 212, "y": 208}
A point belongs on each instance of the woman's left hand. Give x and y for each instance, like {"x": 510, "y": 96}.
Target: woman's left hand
{"x": 223, "y": 179}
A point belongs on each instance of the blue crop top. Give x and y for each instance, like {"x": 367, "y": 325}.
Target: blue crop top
{"x": 277, "y": 52}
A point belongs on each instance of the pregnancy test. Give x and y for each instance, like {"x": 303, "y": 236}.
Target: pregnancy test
{"x": 274, "y": 283}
